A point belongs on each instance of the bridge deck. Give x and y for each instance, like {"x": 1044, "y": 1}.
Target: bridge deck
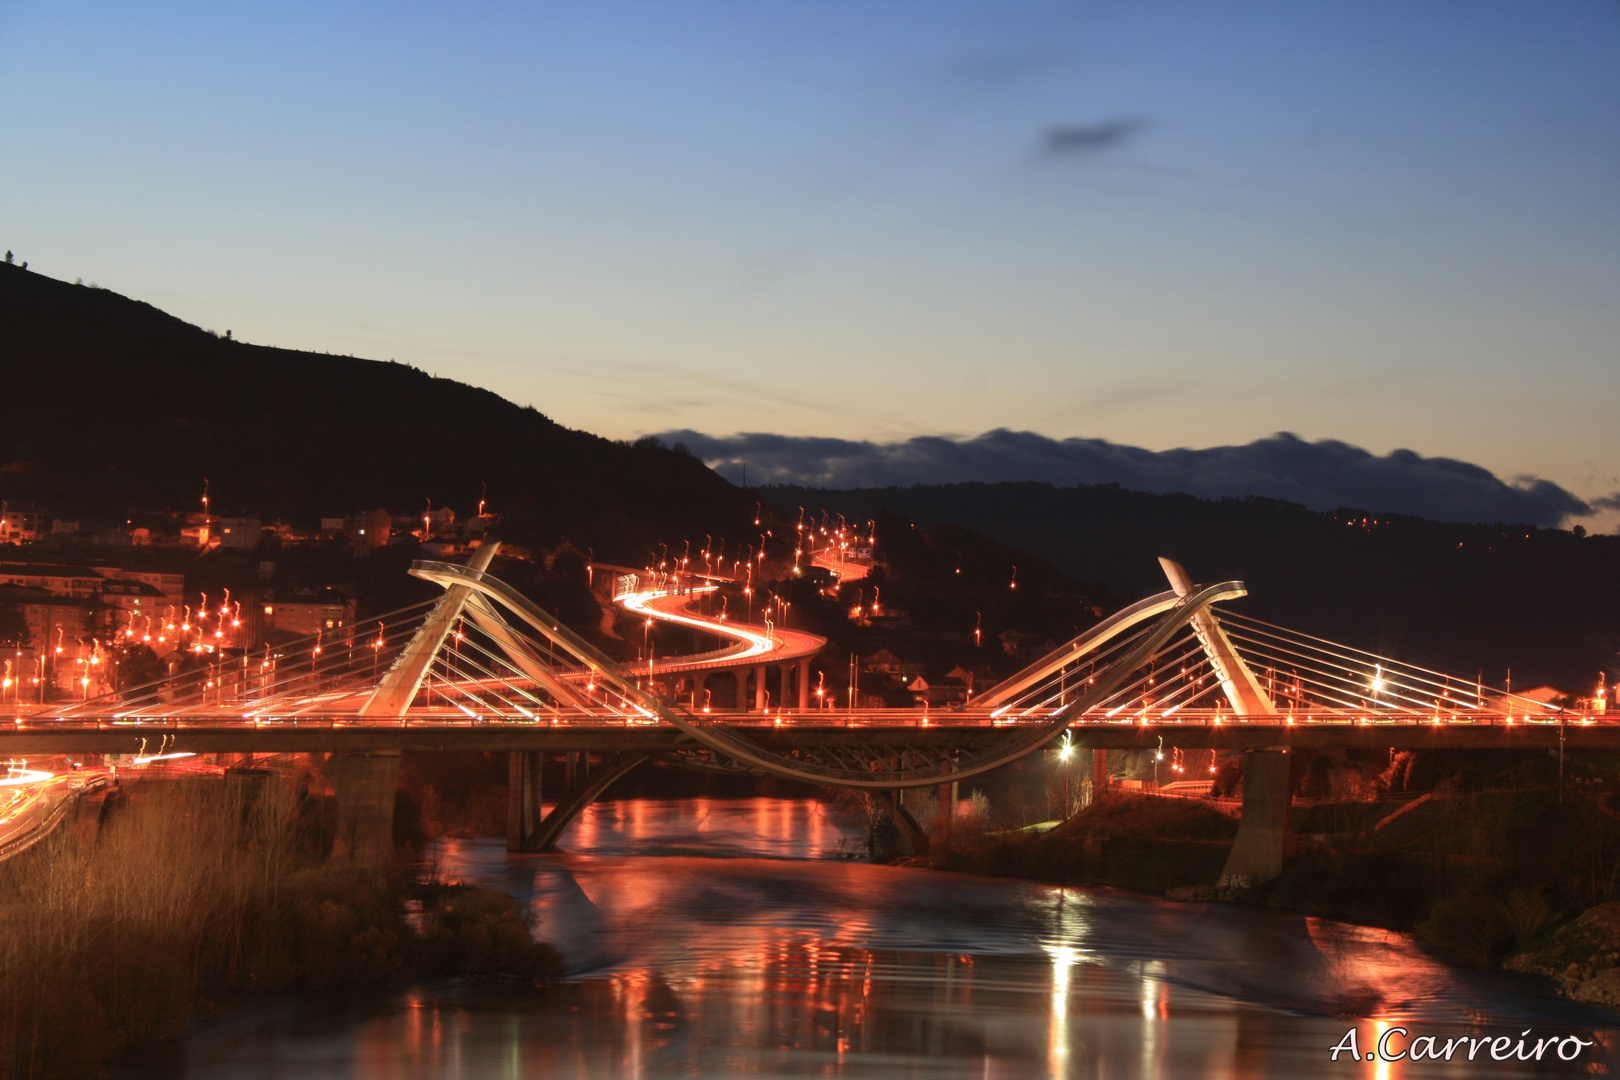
{"x": 447, "y": 729}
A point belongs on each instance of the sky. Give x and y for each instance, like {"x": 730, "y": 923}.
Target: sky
{"x": 1152, "y": 225}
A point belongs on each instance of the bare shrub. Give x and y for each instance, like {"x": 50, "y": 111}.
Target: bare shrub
{"x": 198, "y": 888}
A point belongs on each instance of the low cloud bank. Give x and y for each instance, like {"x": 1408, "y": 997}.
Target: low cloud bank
{"x": 1322, "y": 475}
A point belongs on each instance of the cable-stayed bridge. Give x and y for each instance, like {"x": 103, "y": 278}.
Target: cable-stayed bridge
{"x": 483, "y": 668}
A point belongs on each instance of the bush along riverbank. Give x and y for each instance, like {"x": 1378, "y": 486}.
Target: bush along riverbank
{"x": 195, "y": 891}
{"x": 1481, "y": 877}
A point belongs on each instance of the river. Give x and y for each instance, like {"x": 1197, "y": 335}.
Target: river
{"x": 717, "y": 938}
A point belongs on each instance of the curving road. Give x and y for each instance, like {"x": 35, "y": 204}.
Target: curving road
{"x": 751, "y": 644}
{"x": 834, "y": 559}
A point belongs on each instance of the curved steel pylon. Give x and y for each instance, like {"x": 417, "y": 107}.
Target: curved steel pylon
{"x": 1022, "y": 739}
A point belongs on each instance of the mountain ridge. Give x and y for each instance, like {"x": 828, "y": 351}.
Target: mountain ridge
{"x": 119, "y": 406}
{"x": 1544, "y": 602}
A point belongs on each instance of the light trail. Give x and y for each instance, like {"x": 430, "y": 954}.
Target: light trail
{"x": 160, "y": 757}
{"x": 643, "y": 603}
{"x": 21, "y": 777}
{"x": 754, "y": 644}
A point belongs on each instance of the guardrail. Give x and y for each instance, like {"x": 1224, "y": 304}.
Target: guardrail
{"x": 16, "y": 845}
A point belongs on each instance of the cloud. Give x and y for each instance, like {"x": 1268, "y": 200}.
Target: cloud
{"x": 1085, "y": 139}
{"x": 1324, "y": 475}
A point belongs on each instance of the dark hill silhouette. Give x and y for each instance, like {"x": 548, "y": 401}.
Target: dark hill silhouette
{"x": 114, "y": 406}
{"x": 1545, "y": 602}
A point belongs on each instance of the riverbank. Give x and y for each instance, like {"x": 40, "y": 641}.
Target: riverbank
{"x": 1476, "y": 876}
{"x": 717, "y": 938}
{"x": 192, "y": 892}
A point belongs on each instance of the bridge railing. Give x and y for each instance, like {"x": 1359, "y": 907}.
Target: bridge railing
{"x": 827, "y": 718}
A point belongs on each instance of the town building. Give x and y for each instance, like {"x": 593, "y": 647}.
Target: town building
{"x": 63, "y": 579}
{"x": 305, "y": 611}
{"x": 241, "y": 533}
{"x": 20, "y": 526}
{"x": 135, "y": 598}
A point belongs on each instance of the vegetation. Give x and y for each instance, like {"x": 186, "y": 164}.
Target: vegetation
{"x": 1474, "y": 874}
{"x": 194, "y": 891}
{"x": 1132, "y": 842}
{"x": 1582, "y": 956}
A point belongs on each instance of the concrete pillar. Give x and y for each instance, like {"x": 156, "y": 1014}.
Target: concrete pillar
{"x": 1263, "y": 836}
{"x": 1099, "y": 773}
{"x": 523, "y": 793}
{"x": 759, "y": 688}
{"x": 365, "y": 786}
{"x": 804, "y": 684}
{"x": 782, "y": 697}
{"x": 577, "y": 768}
{"x": 913, "y": 841}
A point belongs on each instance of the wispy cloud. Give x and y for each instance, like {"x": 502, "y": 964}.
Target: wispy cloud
{"x": 1076, "y": 140}
{"x": 1325, "y": 475}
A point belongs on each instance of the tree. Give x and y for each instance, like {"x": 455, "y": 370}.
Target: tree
{"x": 138, "y": 665}
{"x": 13, "y": 626}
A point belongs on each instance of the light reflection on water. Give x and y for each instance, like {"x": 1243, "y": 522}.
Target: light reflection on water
{"x": 736, "y": 950}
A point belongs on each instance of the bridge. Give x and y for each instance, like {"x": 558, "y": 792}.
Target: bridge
{"x": 483, "y": 668}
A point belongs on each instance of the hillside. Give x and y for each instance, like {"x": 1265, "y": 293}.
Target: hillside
{"x": 1464, "y": 598}
{"x": 116, "y": 407}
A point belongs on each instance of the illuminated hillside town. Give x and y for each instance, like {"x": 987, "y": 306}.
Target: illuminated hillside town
{"x": 85, "y": 626}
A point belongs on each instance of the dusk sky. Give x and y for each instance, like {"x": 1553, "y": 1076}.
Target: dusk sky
{"x": 1161, "y": 225}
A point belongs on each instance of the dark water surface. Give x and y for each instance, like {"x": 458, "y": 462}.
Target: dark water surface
{"x": 726, "y": 938}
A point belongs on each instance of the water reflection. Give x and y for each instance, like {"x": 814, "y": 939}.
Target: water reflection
{"x": 766, "y": 828}
{"x": 772, "y": 962}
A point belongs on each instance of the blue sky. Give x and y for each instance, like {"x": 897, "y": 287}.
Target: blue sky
{"x": 1158, "y": 224}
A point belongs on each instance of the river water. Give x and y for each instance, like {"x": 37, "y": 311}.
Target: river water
{"x": 718, "y": 938}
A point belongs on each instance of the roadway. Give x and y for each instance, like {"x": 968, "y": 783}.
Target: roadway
{"x": 751, "y": 644}
{"x": 440, "y": 728}
{"x": 835, "y": 560}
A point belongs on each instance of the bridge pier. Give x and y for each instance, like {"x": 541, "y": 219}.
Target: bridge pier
{"x": 365, "y": 786}
{"x": 759, "y": 688}
{"x": 804, "y": 684}
{"x": 1264, "y": 832}
{"x": 576, "y": 768}
{"x": 905, "y": 836}
{"x": 945, "y": 799}
{"x": 523, "y": 791}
